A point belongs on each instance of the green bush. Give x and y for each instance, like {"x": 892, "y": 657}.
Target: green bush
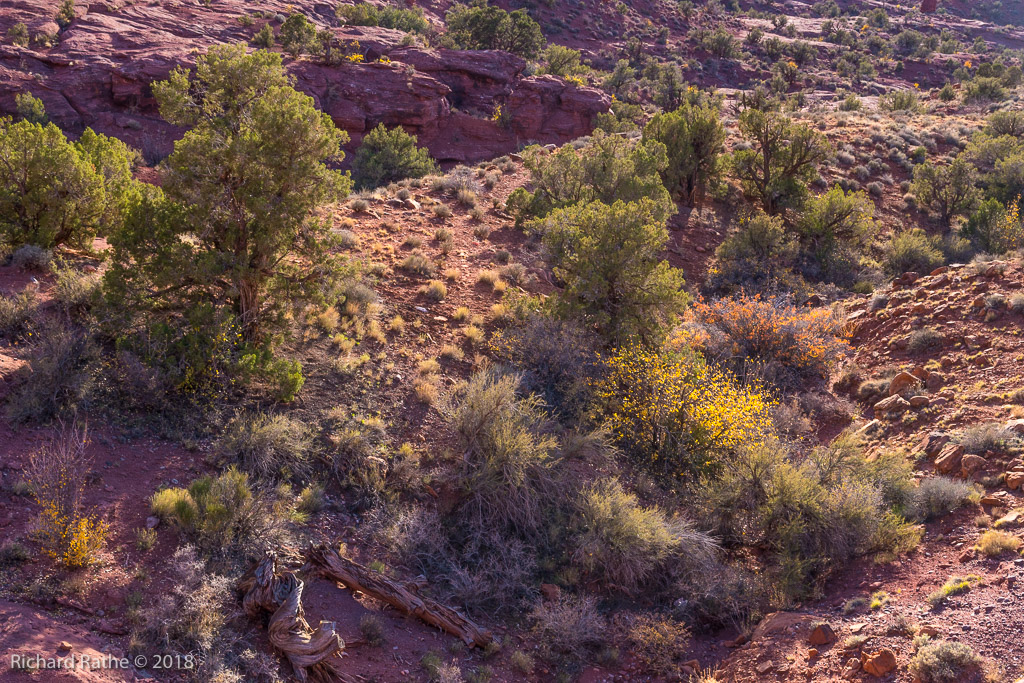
{"x": 54, "y": 192}
{"x": 18, "y": 35}
{"x": 899, "y": 100}
{"x": 607, "y": 168}
{"x": 57, "y": 380}
{"x": 562, "y": 61}
{"x": 609, "y": 259}
{"x": 626, "y": 545}
{"x": 780, "y": 160}
{"x": 386, "y": 156}
{"x": 223, "y": 516}
{"x": 298, "y": 35}
{"x": 911, "y": 251}
{"x": 366, "y": 14}
{"x": 835, "y": 229}
{"x": 268, "y": 446}
{"x": 755, "y": 257}
{"x": 809, "y": 517}
{"x": 942, "y": 661}
{"x": 30, "y": 108}
{"x": 693, "y": 136}
{"x": 486, "y": 27}
{"x": 949, "y": 191}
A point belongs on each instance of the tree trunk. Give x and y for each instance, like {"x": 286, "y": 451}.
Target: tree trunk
{"x": 356, "y": 577}
{"x": 314, "y": 654}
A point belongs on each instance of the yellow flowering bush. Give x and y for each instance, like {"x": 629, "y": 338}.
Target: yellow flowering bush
{"x": 676, "y": 413}
{"x": 57, "y": 476}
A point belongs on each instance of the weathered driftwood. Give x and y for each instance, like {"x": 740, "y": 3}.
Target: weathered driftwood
{"x": 314, "y": 654}
{"x": 356, "y": 577}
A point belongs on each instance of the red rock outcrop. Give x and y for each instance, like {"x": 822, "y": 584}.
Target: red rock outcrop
{"x": 99, "y": 74}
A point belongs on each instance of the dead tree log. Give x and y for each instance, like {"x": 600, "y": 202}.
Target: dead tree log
{"x": 314, "y": 654}
{"x": 356, "y": 577}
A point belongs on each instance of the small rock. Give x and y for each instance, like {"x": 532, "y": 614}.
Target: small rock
{"x": 65, "y": 646}
{"x": 764, "y": 667}
{"x": 879, "y": 663}
{"x": 152, "y": 522}
{"x": 901, "y": 383}
{"x": 550, "y": 591}
{"x": 812, "y": 653}
{"x": 919, "y": 401}
{"x": 893, "y": 404}
{"x": 822, "y": 635}
{"x": 971, "y": 463}
{"x": 949, "y": 457}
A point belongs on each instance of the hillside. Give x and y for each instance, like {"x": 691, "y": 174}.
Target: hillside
{"x": 571, "y": 341}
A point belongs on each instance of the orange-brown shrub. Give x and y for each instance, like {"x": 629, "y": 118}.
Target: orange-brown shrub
{"x": 783, "y": 340}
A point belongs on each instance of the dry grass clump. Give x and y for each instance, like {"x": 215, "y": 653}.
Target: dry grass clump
{"x": 16, "y": 314}
{"x": 569, "y": 628}
{"x": 418, "y": 264}
{"x": 435, "y": 290}
{"x": 938, "y": 496}
{"x": 268, "y": 446}
{"x": 660, "y": 642}
{"x": 994, "y": 543}
{"x": 942, "y": 661}
{"x": 954, "y": 586}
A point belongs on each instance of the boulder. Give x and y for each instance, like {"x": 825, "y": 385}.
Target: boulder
{"x": 1014, "y": 480}
{"x": 970, "y": 464}
{"x": 933, "y": 443}
{"x": 949, "y": 457}
{"x": 901, "y": 383}
{"x": 919, "y": 401}
{"x": 822, "y": 635}
{"x": 879, "y": 663}
{"x": 893, "y": 404}
{"x": 1016, "y": 426}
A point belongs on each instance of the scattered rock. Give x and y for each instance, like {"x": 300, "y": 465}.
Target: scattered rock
{"x": 970, "y": 464}
{"x": 919, "y": 401}
{"x": 949, "y": 457}
{"x": 879, "y": 663}
{"x": 822, "y": 635}
{"x": 893, "y": 404}
{"x": 1014, "y": 480}
{"x": 933, "y": 443}
{"x": 901, "y": 383}
{"x": 765, "y": 667}
{"x": 550, "y": 591}
{"x": 152, "y": 522}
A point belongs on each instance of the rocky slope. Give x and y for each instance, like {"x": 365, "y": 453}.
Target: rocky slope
{"x": 99, "y": 70}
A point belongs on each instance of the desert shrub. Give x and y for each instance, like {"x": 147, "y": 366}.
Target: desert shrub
{"x": 268, "y": 446}
{"x": 983, "y": 89}
{"x": 74, "y": 291}
{"x": 562, "y": 61}
{"x": 938, "y": 496}
{"x": 996, "y": 229}
{"x": 779, "y": 337}
{"x": 56, "y": 192}
{"x": 18, "y": 34}
{"x": 925, "y": 339}
{"x": 899, "y": 100}
{"x": 911, "y": 251}
{"x": 30, "y": 108}
{"x": 1005, "y": 123}
{"x": 943, "y": 661}
{"x": 508, "y": 457}
{"x": 720, "y": 43}
{"x": 223, "y": 515}
{"x": 56, "y": 381}
{"x": 626, "y": 545}
{"x": 191, "y": 615}
{"x": 609, "y": 259}
{"x": 410, "y": 20}
{"x": 558, "y": 359}
{"x": 674, "y": 413}
{"x": 693, "y": 136}
{"x": 949, "y": 191}
{"x": 608, "y": 168}
{"x": 57, "y": 474}
{"x": 435, "y": 290}
{"x": 810, "y": 515}
{"x": 990, "y": 436}
{"x": 246, "y": 264}
{"x": 570, "y": 628}
{"x": 955, "y": 585}
{"x": 780, "y": 161}
{"x": 486, "y": 27}
{"x": 994, "y": 543}
{"x": 16, "y": 315}
{"x": 756, "y": 257}
{"x": 298, "y": 35}
{"x": 835, "y": 228}
{"x": 386, "y": 156}
{"x": 32, "y": 257}
{"x": 661, "y": 643}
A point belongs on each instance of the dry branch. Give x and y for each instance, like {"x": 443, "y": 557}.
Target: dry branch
{"x": 318, "y": 650}
{"x": 401, "y": 596}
